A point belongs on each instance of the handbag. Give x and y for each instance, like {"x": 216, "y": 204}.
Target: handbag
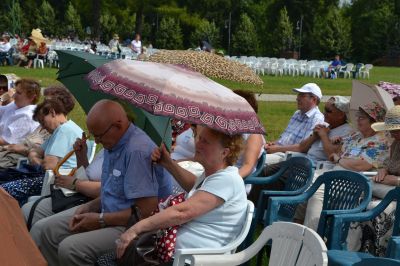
{"x": 140, "y": 251}
{"x": 152, "y": 248}
{"x": 60, "y": 202}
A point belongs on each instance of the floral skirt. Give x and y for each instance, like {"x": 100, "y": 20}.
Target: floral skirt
{"x": 373, "y": 236}
{"x": 22, "y": 189}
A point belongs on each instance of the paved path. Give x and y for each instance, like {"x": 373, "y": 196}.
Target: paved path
{"x": 284, "y": 97}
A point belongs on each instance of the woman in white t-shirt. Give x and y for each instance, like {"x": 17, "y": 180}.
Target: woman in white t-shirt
{"x": 136, "y": 44}
{"x": 214, "y": 212}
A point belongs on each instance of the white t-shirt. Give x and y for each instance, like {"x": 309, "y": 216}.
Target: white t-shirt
{"x": 184, "y": 148}
{"x": 136, "y": 46}
{"x": 316, "y": 152}
{"x": 94, "y": 169}
{"x": 222, "y": 225}
{"x": 4, "y": 47}
{"x": 16, "y": 123}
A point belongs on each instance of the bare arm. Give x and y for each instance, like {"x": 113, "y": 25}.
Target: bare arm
{"x": 50, "y": 162}
{"x": 306, "y": 144}
{"x": 351, "y": 164}
{"x": 278, "y": 148}
{"x": 89, "y": 219}
{"x": 328, "y": 146}
{"x": 250, "y": 154}
{"x": 200, "y": 203}
{"x": 3, "y": 142}
{"x": 185, "y": 178}
{"x": 90, "y": 189}
{"x": 36, "y": 155}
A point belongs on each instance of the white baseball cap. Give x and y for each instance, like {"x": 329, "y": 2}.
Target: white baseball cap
{"x": 310, "y": 88}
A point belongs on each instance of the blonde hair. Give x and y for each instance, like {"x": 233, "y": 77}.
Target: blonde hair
{"x": 234, "y": 143}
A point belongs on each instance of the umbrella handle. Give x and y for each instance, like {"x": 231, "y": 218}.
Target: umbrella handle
{"x": 66, "y": 157}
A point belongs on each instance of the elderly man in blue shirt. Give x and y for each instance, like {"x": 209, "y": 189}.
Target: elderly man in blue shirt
{"x": 79, "y": 235}
{"x": 301, "y": 124}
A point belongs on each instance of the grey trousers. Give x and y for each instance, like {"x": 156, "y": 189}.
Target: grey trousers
{"x": 42, "y": 212}
{"x": 61, "y": 247}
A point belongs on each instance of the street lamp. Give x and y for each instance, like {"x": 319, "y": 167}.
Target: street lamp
{"x": 228, "y": 26}
{"x": 299, "y": 27}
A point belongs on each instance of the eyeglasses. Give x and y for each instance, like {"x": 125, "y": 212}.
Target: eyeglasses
{"x": 328, "y": 111}
{"x": 100, "y": 136}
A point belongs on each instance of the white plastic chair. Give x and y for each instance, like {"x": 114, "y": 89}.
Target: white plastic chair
{"x": 183, "y": 256}
{"x": 292, "y": 244}
{"x": 364, "y": 72}
{"x": 346, "y": 70}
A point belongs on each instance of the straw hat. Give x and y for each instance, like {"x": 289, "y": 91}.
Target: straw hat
{"x": 37, "y": 36}
{"x": 392, "y": 120}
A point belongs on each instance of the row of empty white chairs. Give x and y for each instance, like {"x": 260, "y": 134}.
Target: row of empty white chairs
{"x": 281, "y": 66}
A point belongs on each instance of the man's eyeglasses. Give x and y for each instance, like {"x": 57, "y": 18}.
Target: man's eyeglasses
{"x": 100, "y": 136}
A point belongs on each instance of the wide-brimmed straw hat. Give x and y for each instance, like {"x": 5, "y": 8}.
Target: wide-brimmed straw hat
{"x": 392, "y": 120}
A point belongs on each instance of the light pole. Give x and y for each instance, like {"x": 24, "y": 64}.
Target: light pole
{"x": 299, "y": 27}
{"x": 228, "y": 25}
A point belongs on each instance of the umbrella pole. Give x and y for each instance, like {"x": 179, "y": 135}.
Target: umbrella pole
{"x": 165, "y": 132}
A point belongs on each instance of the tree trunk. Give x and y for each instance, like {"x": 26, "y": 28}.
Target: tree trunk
{"x": 139, "y": 19}
{"x": 96, "y": 7}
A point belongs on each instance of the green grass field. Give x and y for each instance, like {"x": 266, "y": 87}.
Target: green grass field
{"x": 274, "y": 115}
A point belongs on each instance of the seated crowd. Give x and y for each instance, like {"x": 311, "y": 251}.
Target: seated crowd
{"x": 131, "y": 173}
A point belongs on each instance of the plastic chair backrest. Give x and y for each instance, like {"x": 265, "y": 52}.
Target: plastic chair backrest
{"x": 292, "y": 244}
{"x": 181, "y": 255}
{"x": 301, "y": 172}
{"x": 344, "y": 190}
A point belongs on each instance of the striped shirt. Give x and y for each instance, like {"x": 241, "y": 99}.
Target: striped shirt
{"x": 300, "y": 126}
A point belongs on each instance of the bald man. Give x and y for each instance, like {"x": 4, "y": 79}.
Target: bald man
{"x": 79, "y": 235}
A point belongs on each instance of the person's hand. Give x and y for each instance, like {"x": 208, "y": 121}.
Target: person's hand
{"x": 382, "y": 173}
{"x": 85, "y": 222}
{"x": 321, "y": 130}
{"x": 334, "y": 157}
{"x": 17, "y": 148}
{"x": 124, "y": 240}
{"x": 336, "y": 140}
{"x": 390, "y": 180}
{"x": 272, "y": 149}
{"x": 85, "y": 208}
{"x": 64, "y": 181}
{"x": 161, "y": 155}
{"x": 80, "y": 146}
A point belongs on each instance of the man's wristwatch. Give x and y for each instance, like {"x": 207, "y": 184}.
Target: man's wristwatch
{"x": 101, "y": 220}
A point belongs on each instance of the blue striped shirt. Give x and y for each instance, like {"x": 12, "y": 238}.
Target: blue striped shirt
{"x": 300, "y": 126}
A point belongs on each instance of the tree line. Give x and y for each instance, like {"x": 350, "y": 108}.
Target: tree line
{"x": 359, "y": 30}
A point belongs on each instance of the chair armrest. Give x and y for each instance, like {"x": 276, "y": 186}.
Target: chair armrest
{"x": 272, "y": 193}
{"x": 260, "y": 180}
{"x": 275, "y": 202}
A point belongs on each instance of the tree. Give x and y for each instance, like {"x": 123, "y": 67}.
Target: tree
{"x": 331, "y": 35}
{"x": 108, "y": 23}
{"x": 205, "y": 31}
{"x": 73, "y": 21}
{"x": 372, "y": 28}
{"x": 15, "y": 17}
{"x": 245, "y": 41}
{"x": 169, "y": 35}
{"x": 46, "y": 19}
{"x": 283, "y": 33}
